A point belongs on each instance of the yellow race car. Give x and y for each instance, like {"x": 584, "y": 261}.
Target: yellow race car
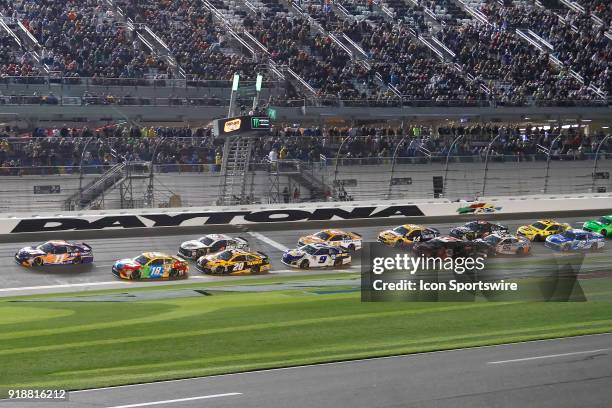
{"x": 539, "y": 230}
{"x": 406, "y": 235}
{"x": 234, "y": 262}
{"x": 335, "y": 238}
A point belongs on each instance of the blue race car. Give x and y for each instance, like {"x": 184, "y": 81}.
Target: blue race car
{"x": 575, "y": 240}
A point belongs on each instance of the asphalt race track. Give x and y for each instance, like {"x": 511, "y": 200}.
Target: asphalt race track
{"x": 17, "y": 280}
{"x": 559, "y": 373}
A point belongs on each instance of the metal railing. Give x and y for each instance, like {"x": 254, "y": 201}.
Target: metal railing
{"x": 371, "y": 178}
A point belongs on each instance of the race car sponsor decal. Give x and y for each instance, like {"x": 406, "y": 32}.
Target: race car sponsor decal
{"x": 211, "y": 218}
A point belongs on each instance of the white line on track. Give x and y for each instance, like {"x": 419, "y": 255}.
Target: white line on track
{"x": 516, "y": 360}
{"x": 146, "y": 404}
{"x": 268, "y": 241}
{"x": 66, "y": 285}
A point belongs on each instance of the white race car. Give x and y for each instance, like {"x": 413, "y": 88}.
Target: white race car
{"x": 210, "y": 244}
{"x": 332, "y": 237}
{"x": 316, "y": 256}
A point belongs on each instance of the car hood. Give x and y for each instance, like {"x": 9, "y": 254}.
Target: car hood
{"x": 461, "y": 229}
{"x": 527, "y": 229}
{"x": 193, "y": 244}
{"x": 558, "y": 239}
{"x": 293, "y": 254}
{"x": 311, "y": 239}
{"x": 30, "y": 251}
{"x": 127, "y": 263}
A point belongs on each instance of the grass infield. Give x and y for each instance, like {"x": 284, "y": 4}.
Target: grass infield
{"x": 75, "y": 345}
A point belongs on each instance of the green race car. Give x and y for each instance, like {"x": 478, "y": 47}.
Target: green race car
{"x": 602, "y": 225}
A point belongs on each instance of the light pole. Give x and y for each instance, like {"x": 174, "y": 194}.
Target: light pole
{"x": 395, "y": 152}
{"x": 548, "y": 162}
{"x": 151, "y": 172}
{"x": 450, "y": 150}
{"x": 596, "y": 160}
{"x": 338, "y": 158}
{"x": 486, "y": 168}
{"x": 81, "y": 171}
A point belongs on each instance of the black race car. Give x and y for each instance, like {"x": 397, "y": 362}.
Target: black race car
{"x": 476, "y": 229}
{"x": 451, "y": 247}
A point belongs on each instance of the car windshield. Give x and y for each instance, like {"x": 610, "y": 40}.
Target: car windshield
{"x": 401, "y": 230}
{"x": 569, "y": 234}
{"x": 323, "y": 235}
{"x": 46, "y": 247}
{"x": 206, "y": 240}
{"x": 493, "y": 239}
{"x": 225, "y": 255}
{"x": 604, "y": 221}
{"x": 141, "y": 260}
{"x": 538, "y": 225}
{"x": 309, "y": 249}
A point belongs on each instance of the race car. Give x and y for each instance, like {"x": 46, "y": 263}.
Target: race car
{"x": 476, "y": 229}
{"x": 541, "y": 229}
{"x": 336, "y": 238}
{"x": 55, "y": 253}
{"x": 575, "y": 240}
{"x": 478, "y": 208}
{"x": 506, "y": 244}
{"x": 603, "y": 225}
{"x": 316, "y": 256}
{"x": 234, "y": 262}
{"x": 209, "y": 244}
{"x": 151, "y": 265}
{"x": 450, "y": 247}
{"x": 406, "y": 235}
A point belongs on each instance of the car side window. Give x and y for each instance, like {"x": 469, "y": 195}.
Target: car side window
{"x": 337, "y": 238}
{"x": 414, "y": 234}
{"x": 61, "y": 249}
{"x": 239, "y": 258}
{"x": 156, "y": 262}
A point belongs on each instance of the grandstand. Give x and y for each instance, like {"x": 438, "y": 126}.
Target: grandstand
{"x": 113, "y": 100}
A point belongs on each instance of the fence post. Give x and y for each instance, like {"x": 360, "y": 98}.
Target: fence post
{"x": 486, "y": 166}
{"x": 450, "y": 150}
{"x": 596, "y": 160}
{"x": 548, "y": 162}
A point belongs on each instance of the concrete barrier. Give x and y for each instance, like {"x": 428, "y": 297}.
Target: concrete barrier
{"x": 143, "y": 222}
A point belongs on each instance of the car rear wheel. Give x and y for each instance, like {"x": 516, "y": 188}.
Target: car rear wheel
{"x": 77, "y": 260}
{"x": 305, "y": 264}
{"x": 135, "y": 275}
{"x": 174, "y": 273}
{"x": 337, "y": 262}
{"x": 38, "y": 261}
{"x": 255, "y": 269}
{"x": 351, "y": 247}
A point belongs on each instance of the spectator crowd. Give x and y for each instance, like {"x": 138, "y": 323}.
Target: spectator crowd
{"x": 103, "y": 147}
{"x": 211, "y": 40}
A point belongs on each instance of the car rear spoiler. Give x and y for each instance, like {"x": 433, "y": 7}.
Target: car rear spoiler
{"x": 356, "y": 233}
{"x": 262, "y": 254}
{"x": 244, "y": 239}
{"x": 86, "y": 246}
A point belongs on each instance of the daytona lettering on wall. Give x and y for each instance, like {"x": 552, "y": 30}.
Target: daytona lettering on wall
{"x": 211, "y": 218}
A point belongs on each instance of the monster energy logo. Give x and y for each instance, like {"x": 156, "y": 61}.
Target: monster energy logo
{"x": 260, "y": 123}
